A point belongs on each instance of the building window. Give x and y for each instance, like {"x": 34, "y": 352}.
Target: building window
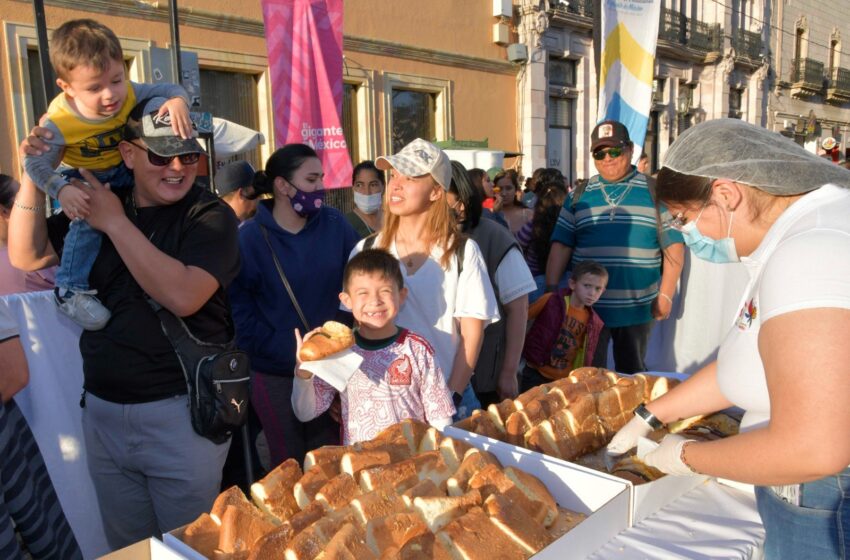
{"x": 736, "y": 98}
{"x": 834, "y": 55}
{"x": 349, "y": 120}
{"x": 39, "y": 106}
{"x": 658, "y": 91}
{"x": 415, "y": 106}
{"x": 233, "y": 96}
{"x": 650, "y": 144}
{"x": 413, "y": 117}
{"x": 560, "y": 138}
{"x": 562, "y": 72}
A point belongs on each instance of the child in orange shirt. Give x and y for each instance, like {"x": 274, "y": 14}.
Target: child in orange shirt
{"x": 566, "y": 329}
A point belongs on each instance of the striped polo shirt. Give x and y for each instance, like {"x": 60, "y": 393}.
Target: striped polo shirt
{"x": 624, "y": 238}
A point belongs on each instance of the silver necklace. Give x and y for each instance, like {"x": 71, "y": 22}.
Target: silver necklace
{"x": 614, "y": 202}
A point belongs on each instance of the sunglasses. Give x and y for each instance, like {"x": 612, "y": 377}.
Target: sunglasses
{"x": 162, "y": 161}
{"x": 599, "y": 155}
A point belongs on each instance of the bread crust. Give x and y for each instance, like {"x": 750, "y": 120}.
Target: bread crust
{"x": 332, "y": 338}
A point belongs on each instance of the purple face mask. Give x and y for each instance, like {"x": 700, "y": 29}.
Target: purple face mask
{"x": 306, "y": 204}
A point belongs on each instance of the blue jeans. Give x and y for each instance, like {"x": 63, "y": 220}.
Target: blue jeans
{"x": 819, "y": 528}
{"x": 82, "y": 243}
{"x": 467, "y": 404}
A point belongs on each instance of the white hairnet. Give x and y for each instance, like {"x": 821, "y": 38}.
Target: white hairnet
{"x": 745, "y": 153}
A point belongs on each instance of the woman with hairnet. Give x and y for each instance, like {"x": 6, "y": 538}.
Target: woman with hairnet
{"x": 742, "y": 193}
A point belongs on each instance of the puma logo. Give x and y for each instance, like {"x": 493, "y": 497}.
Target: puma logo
{"x": 237, "y": 405}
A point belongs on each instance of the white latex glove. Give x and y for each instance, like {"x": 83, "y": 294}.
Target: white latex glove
{"x": 667, "y": 457}
{"x": 628, "y": 436}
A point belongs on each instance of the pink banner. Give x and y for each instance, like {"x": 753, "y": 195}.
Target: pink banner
{"x": 304, "y": 41}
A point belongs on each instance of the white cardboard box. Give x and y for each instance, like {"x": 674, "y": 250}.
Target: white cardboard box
{"x": 644, "y": 499}
{"x": 603, "y": 500}
{"x": 150, "y": 549}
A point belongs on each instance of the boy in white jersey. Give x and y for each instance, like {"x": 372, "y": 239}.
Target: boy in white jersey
{"x": 399, "y": 377}
{"x": 87, "y": 121}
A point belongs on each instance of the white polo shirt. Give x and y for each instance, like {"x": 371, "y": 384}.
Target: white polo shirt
{"x": 803, "y": 262}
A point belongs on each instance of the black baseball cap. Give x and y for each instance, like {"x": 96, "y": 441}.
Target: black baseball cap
{"x": 608, "y": 134}
{"x": 232, "y": 176}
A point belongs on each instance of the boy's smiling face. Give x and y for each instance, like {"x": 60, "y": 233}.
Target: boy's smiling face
{"x": 374, "y": 300}
{"x": 96, "y": 93}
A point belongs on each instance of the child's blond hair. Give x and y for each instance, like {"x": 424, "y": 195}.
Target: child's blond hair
{"x": 83, "y": 42}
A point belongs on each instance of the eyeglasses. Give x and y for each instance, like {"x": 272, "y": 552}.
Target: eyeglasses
{"x": 678, "y": 221}
{"x": 162, "y": 161}
{"x": 599, "y": 155}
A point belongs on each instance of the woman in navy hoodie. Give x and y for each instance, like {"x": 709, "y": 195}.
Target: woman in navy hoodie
{"x": 311, "y": 242}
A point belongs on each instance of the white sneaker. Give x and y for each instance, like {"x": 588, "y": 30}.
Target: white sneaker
{"x": 83, "y": 308}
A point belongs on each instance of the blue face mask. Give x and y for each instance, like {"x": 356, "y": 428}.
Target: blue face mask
{"x": 708, "y": 249}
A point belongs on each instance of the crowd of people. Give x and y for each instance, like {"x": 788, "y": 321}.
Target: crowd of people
{"x": 463, "y": 289}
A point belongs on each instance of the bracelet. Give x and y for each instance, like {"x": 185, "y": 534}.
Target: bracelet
{"x": 665, "y": 296}
{"x": 37, "y": 208}
{"x": 682, "y": 456}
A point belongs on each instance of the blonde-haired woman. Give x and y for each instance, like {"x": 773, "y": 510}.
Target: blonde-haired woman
{"x": 450, "y": 299}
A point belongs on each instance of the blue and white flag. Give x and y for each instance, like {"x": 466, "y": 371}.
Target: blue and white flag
{"x": 627, "y": 63}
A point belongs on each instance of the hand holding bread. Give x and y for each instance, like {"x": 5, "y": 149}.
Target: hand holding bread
{"x": 329, "y": 339}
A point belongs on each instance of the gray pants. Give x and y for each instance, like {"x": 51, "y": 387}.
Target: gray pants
{"x": 630, "y": 344}
{"x": 151, "y": 471}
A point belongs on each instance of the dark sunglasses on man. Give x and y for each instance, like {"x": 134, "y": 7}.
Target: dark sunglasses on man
{"x": 161, "y": 161}
{"x": 615, "y": 152}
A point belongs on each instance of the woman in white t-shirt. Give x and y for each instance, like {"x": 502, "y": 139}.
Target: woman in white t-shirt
{"x": 740, "y": 192}
{"x": 450, "y": 299}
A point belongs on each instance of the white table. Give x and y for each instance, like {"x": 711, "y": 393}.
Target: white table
{"x": 50, "y": 403}
{"x": 711, "y": 522}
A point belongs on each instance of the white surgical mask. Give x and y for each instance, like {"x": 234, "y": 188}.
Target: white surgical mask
{"x": 368, "y": 203}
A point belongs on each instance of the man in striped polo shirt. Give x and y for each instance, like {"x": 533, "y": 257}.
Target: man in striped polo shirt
{"x": 615, "y": 222}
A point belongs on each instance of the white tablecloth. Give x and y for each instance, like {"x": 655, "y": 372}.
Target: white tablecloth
{"x": 711, "y": 522}
{"x": 50, "y": 403}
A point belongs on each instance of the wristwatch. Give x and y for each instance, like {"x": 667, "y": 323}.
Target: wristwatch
{"x": 648, "y": 417}
{"x": 457, "y": 398}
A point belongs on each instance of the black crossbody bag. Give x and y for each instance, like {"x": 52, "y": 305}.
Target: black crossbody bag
{"x": 217, "y": 378}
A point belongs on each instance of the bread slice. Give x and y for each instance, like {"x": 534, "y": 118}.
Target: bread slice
{"x": 453, "y": 451}
{"x": 483, "y": 424}
{"x": 413, "y": 431}
{"x": 310, "y": 483}
{"x": 355, "y": 461}
{"x": 516, "y": 426}
{"x": 425, "y": 488}
{"x": 338, "y": 492}
{"x": 274, "y": 493}
{"x": 424, "y": 547}
{"x": 618, "y": 400}
{"x": 393, "y": 531}
{"x": 542, "y": 408}
{"x": 328, "y": 455}
{"x": 500, "y": 411}
{"x": 309, "y": 543}
{"x": 388, "y": 475}
{"x": 473, "y": 461}
{"x": 202, "y": 534}
{"x": 431, "y": 439}
{"x": 492, "y": 480}
{"x": 349, "y": 543}
{"x": 240, "y": 528}
{"x": 534, "y": 393}
{"x": 585, "y": 373}
{"x": 515, "y": 524}
{"x": 600, "y": 382}
{"x": 272, "y": 546}
{"x": 474, "y": 537}
{"x": 233, "y": 496}
{"x": 376, "y": 504}
{"x": 534, "y": 490}
{"x": 306, "y": 517}
{"x": 437, "y": 512}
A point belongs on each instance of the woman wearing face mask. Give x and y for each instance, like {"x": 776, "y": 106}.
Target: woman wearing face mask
{"x": 368, "y": 186}
{"x": 740, "y": 192}
{"x": 311, "y": 242}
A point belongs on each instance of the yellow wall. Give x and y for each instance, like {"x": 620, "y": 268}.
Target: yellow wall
{"x": 483, "y": 103}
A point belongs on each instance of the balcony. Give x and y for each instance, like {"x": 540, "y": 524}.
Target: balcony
{"x": 838, "y": 90}
{"x": 747, "y": 44}
{"x": 807, "y": 77}
{"x": 576, "y": 8}
{"x": 675, "y": 27}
